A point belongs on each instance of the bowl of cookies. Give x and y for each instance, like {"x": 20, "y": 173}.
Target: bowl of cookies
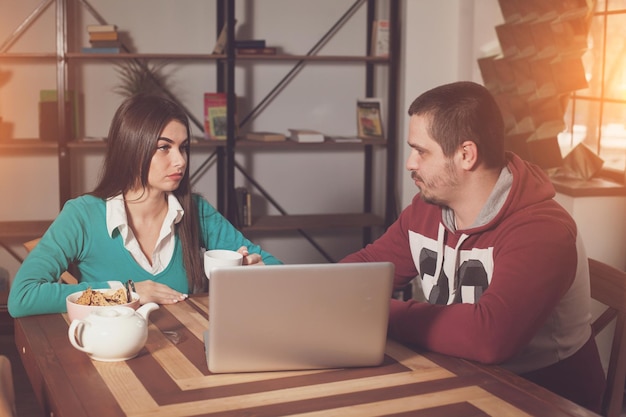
{"x": 81, "y": 303}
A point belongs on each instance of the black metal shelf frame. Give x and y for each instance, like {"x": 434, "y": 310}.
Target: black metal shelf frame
{"x": 226, "y": 15}
{"x": 224, "y": 156}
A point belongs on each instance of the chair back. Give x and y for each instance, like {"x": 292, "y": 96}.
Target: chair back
{"x": 608, "y": 286}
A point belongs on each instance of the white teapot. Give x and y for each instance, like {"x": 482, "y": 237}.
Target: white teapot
{"x": 112, "y": 334}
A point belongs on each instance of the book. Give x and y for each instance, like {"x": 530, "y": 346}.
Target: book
{"x": 369, "y": 118}
{"x": 215, "y": 113}
{"x": 250, "y": 43}
{"x": 266, "y": 136}
{"x": 268, "y": 50}
{"x": 306, "y": 136}
{"x": 103, "y": 36}
{"x": 91, "y": 50}
{"x": 344, "y": 139}
{"x": 101, "y": 28}
{"x": 244, "y": 208}
{"x": 106, "y": 44}
{"x": 380, "y": 38}
{"x": 222, "y": 39}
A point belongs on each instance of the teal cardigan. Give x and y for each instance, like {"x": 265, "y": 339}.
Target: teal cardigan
{"x": 79, "y": 236}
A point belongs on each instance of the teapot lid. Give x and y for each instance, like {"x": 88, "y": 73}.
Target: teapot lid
{"x": 112, "y": 312}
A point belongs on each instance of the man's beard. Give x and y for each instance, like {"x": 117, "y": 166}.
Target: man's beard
{"x": 451, "y": 180}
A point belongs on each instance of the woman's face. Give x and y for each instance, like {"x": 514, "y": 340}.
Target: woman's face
{"x": 170, "y": 159}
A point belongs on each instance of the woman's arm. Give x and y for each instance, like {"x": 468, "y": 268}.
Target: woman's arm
{"x": 218, "y": 233}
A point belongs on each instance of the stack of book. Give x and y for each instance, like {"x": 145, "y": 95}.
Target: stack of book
{"x": 104, "y": 39}
{"x": 254, "y": 47}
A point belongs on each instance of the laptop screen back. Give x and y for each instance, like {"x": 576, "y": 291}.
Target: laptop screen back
{"x": 290, "y": 317}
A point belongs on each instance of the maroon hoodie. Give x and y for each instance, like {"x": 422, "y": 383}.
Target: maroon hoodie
{"x": 512, "y": 290}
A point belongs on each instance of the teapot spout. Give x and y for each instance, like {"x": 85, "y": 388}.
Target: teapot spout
{"x": 145, "y": 310}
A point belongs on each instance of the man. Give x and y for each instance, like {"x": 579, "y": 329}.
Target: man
{"x": 499, "y": 261}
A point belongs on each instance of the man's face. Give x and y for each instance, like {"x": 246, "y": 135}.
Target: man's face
{"x": 435, "y": 174}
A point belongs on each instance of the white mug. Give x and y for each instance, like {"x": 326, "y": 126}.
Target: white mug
{"x": 221, "y": 257}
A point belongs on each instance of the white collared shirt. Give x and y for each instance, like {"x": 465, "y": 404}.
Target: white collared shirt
{"x": 164, "y": 249}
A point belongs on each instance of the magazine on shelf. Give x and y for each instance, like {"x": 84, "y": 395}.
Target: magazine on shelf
{"x": 369, "y": 118}
{"x": 215, "y": 113}
{"x": 380, "y": 38}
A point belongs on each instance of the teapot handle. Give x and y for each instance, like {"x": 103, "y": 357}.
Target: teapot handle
{"x": 71, "y": 332}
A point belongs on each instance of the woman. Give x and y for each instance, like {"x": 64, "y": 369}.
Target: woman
{"x": 141, "y": 223}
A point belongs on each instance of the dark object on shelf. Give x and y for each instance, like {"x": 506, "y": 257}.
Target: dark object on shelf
{"x": 49, "y": 120}
{"x": 269, "y": 50}
{"x": 244, "y": 209}
{"x": 250, "y": 43}
{"x": 266, "y": 136}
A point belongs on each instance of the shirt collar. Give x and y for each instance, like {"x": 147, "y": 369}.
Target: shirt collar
{"x": 116, "y": 213}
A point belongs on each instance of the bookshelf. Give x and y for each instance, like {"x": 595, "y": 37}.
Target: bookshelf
{"x": 66, "y": 56}
{"x": 366, "y": 219}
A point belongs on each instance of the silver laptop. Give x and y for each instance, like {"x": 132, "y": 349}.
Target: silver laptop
{"x": 293, "y": 317}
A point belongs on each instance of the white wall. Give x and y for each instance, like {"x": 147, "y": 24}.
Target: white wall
{"x": 602, "y": 225}
{"x": 442, "y": 42}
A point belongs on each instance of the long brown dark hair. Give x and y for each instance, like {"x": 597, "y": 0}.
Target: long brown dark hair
{"x": 132, "y": 141}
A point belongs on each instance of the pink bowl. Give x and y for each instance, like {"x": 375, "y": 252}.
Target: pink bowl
{"x": 80, "y": 311}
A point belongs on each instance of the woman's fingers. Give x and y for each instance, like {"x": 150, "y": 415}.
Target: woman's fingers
{"x": 150, "y": 291}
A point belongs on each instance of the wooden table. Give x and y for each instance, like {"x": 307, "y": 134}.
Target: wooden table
{"x": 170, "y": 378}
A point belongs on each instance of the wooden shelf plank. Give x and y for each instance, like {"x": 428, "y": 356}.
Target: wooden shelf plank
{"x": 320, "y": 58}
{"x": 167, "y": 56}
{"x": 215, "y": 57}
{"x": 315, "y": 221}
{"x": 23, "y": 230}
{"x": 290, "y": 144}
{"x": 28, "y": 56}
{"x": 18, "y": 146}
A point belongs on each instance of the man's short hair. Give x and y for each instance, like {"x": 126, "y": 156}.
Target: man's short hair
{"x": 464, "y": 111}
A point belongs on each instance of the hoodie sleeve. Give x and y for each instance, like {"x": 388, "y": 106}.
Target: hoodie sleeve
{"x": 393, "y": 247}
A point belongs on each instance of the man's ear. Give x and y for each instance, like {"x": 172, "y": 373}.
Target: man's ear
{"x": 469, "y": 155}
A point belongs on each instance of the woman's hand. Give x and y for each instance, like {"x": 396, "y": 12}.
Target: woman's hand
{"x": 150, "y": 291}
{"x": 250, "y": 259}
